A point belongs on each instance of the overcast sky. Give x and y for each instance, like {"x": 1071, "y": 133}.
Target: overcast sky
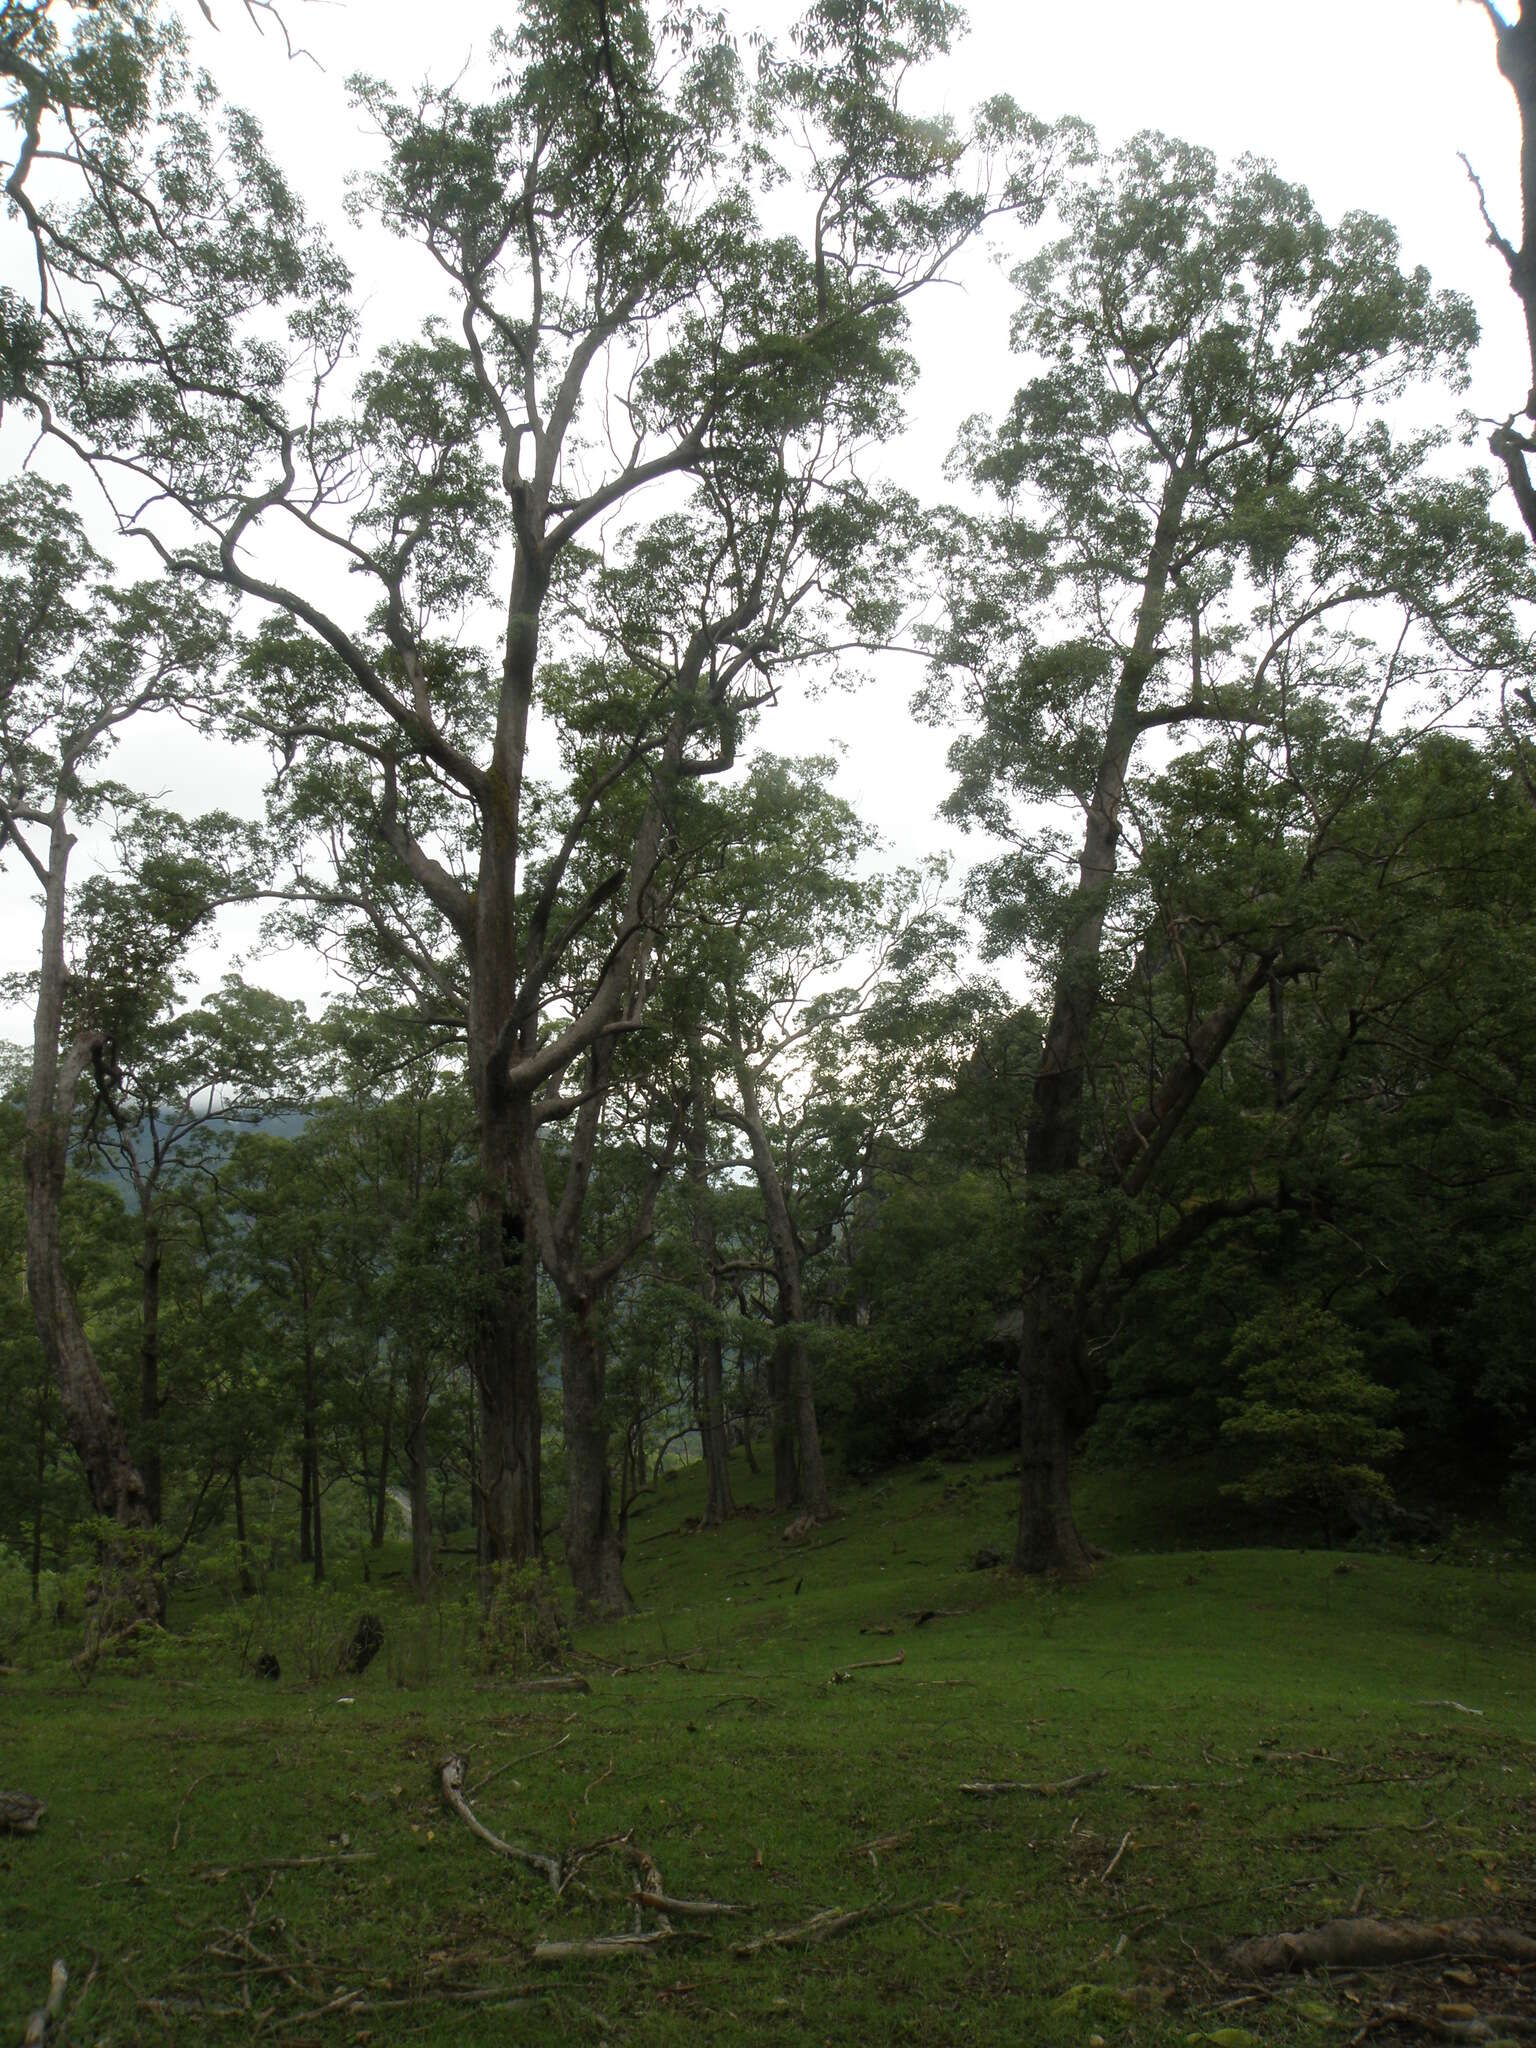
{"x": 1367, "y": 102}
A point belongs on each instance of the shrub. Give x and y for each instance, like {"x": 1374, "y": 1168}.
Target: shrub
{"x": 1311, "y": 1413}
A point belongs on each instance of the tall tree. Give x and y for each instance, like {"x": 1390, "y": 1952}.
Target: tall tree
{"x": 78, "y": 659}
{"x": 1209, "y": 530}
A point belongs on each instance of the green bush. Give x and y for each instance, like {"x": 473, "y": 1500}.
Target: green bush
{"x": 1310, "y": 1413}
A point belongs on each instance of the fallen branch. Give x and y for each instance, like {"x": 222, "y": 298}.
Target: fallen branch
{"x": 284, "y": 1863}
{"x": 1454, "y": 1706}
{"x": 1114, "y": 1862}
{"x": 991, "y": 1788}
{"x": 822, "y": 1926}
{"x": 1346, "y": 1944}
{"x": 180, "y": 1806}
{"x": 599, "y": 1945}
{"x": 40, "y": 2025}
{"x": 869, "y": 1664}
{"x": 697, "y": 1909}
{"x": 453, "y": 1793}
{"x": 572, "y": 1682}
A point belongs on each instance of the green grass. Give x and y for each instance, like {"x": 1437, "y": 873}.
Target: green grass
{"x": 1257, "y": 1713}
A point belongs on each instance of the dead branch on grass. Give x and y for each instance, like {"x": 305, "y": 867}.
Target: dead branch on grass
{"x": 993, "y": 1788}
{"x": 600, "y": 1945}
{"x": 834, "y": 1920}
{"x": 222, "y": 1870}
{"x": 1114, "y": 1862}
{"x": 453, "y": 1793}
{"x": 696, "y": 1909}
{"x": 40, "y": 2025}
{"x": 869, "y": 1664}
{"x": 1346, "y": 1944}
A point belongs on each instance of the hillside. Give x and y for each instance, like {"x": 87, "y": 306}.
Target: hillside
{"x": 1270, "y": 1739}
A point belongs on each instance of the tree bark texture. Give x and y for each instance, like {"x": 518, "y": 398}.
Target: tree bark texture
{"x": 592, "y": 1551}
{"x": 509, "y": 1415}
{"x": 709, "y": 1350}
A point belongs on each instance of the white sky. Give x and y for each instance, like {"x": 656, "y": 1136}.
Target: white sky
{"x": 1367, "y": 102}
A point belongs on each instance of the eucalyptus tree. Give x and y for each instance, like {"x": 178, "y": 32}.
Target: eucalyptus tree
{"x": 811, "y": 993}
{"x": 1208, "y": 530}
{"x": 617, "y": 309}
{"x": 78, "y": 659}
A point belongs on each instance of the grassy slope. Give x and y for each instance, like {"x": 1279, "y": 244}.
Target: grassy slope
{"x": 1276, "y": 1691}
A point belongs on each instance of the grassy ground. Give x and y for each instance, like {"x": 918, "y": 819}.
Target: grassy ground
{"x": 1271, "y": 1725}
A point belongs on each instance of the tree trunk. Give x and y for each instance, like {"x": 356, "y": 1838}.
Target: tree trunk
{"x": 312, "y": 1542}
{"x": 41, "y": 1476}
{"x": 306, "y": 1516}
{"x": 151, "y": 1405}
{"x": 592, "y": 1550}
{"x": 709, "y": 1363}
{"x": 381, "y": 1493}
{"x": 242, "y": 1540}
{"x": 799, "y": 1475}
{"x": 786, "y": 1468}
{"x": 96, "y": 1430}
{"x": 505, "y": 1362}
{"x": 1048, "y": 1538}
{"x": 416, "y": 1404}
{"x": 746, "y": 1418}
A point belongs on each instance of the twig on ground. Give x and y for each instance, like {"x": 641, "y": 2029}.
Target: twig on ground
{"x": 822, "y": 1926}
{"x": 453, "y": 1793}
{"x": 598, "y": 1780}
{"x": 600, "y": 1945}
{"x": 991, "y": 1788}
{"x": 474, "y": 1791}
{"x": 1114, "y": 1862}
{"x": 180, "y": 1804}
{"x": 571, "y": 1682}
{"x": 1454, "y": 1706}
{"x": 217, "y": 1870}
